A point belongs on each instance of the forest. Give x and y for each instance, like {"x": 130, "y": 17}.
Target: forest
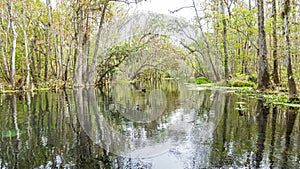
{"x": 107, "y": 84}
{"x": 77, "y": 43}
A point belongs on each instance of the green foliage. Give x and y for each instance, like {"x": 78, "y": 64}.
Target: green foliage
{"x": 241, "y": 83}
{"x": 276, "y": 98}
{"x": 281, "y": 99}
{"x": 252, "y": 78}
{"x": 202, "y": 80}
{"x": 151, "y": 74}
{"x": 168, "y": 58}
{"x": 115, "y": 56}
{"x": 243, "y": 80}
{"x": 10, "y": 133}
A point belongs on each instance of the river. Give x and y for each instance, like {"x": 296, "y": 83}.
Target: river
{"x": 167, "y": 124}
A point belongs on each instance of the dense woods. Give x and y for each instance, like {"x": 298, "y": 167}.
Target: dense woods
{"x": 60, "y": 43}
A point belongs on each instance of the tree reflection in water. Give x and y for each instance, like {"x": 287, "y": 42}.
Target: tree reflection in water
{"x": 262, "y": 112}
{"x": 198, "y": 128}
{"x": 287, "y": 154}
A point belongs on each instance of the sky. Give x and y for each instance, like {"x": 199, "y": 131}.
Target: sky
{"x": 163, "y": 6}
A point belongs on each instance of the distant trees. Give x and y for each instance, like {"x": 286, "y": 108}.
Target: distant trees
{"x": 42, "y": 46}
{"x": 200, "y": 43}
{"x": 239, "y": 35}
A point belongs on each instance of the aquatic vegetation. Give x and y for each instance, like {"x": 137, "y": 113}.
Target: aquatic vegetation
{"x": 280, "y": 99}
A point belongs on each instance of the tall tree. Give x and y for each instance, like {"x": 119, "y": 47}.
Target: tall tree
{"x": 11, "y": 24}
{"x": 263, "y": 75}
{"x": 275, "y": 43}
{"x": 85, "y": 65}
{"x": 58, "y": 63}
{"x": 225, "y": 44}
{"x": 27, "y": 80}
{"x": 48, "y": 44}
{"x": 3, "y": 42}
{"x": 206, "y": 42}
{"x": 291, "y": 81}
{"x": 78, "y": 53}
{"x": 92, "y": 72}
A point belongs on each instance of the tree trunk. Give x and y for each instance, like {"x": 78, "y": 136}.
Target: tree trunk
{"x": 48, "y": 50}
{"x": 58, "y": 63}
{"x": 291, "y": 81}
{"x": 27, "y": 79}
{"x": 274, "y": 34}
{"x": 208, "y": 51}
{"x": 77, "y": 78}
{"x": 5, "y": 66}
{"x": 34, "y": 80}
{"x": 86, "y": 49}
{"x": 5, "y": 72}
{"x": 13, "y": 44}
{"x": 13, "y": 55}
{"x": 263, "y": 76}
{"x": 225, "y": 44}
{"x": 92, "y": 72}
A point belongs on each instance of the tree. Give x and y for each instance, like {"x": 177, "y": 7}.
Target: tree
{"x": 85, "y": 65}
{"x": 92, "y": 72}
{"x": 291, "y": 81}
{"x": 198, "y": 40}
{"x": 3, "y": 44}
{"x": 48, "y": 44}
{"x": 27, "y": 80}
{"x": 225, "y": 44}
{"x": 11, "y": 25}
{"x": 275, "y": 43}
{"x": 263, "y": 76}
{"x": 58, "y": 62}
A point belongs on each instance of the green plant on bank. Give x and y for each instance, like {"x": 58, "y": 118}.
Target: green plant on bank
{"x": 279, "y": 99}
{"x": 242, "y": 83}
{"x": 276, "y": 98}
{"x": 51, "y": 85}
{"x": 200, "y": 80}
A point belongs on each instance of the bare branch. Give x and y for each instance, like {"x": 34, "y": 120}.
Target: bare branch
{"x": 126, "y": 1}
{"x": 179, "y": 9}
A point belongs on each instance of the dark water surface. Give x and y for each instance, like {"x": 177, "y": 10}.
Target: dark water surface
{"x": 167, "y": 125}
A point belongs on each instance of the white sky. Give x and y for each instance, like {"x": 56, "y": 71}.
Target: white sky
{"x": 163, "y": 6}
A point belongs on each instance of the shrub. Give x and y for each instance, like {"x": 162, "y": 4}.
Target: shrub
{"x": 191, "y": 81}
{"x": 202, "y": 80}
{"x": 252, "y": 79}
{"x": 240, "y": 83}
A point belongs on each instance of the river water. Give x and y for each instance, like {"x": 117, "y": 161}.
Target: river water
{"x": 163, "y": 125}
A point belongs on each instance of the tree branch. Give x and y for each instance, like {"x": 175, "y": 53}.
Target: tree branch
{"x": 179, "y": 9}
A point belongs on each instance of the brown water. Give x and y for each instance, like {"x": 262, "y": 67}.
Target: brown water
{"x": 170, "y": 125}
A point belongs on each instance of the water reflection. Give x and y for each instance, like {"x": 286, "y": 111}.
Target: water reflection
{"x": 131, "y": 124}
{"x": 262, "y": 111}
{"x": 125, "y": 127}
{"x": 289, "y": 145}
{"x": 273, "y": 130}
